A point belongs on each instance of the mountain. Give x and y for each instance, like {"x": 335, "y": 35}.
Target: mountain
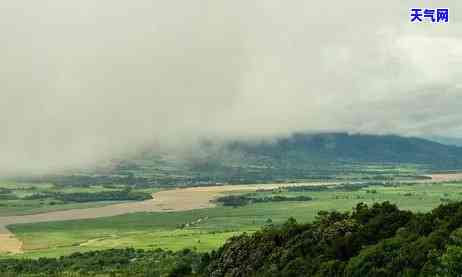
{"x": 298, "y": 157}
{"x": 446, "y": 140}
{"x": 354, "y": 148}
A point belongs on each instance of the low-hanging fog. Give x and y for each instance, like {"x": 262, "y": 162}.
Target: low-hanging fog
{"x": 85, "y": 81}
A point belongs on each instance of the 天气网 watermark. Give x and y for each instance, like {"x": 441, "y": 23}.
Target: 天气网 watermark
{"x": 429, "y": 15}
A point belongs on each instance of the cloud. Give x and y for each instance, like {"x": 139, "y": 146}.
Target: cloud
{"x": 84, "y": 81}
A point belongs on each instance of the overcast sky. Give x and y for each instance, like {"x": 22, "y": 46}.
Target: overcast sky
{"x": 83, "y": 81}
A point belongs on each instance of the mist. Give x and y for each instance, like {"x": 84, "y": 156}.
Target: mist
{"x": 83, "y": 82}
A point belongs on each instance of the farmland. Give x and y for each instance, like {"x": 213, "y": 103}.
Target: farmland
{"x": 19, "y": 198}
{"x": 207, "y": 228}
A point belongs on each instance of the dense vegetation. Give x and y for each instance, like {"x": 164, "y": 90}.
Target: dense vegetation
{"x": 380, "y": 240}
{"x": 117, "y": 195}
{"x": 7, "y": 194}
{"x": 377, "y": 240}
{"x": 246, "y": 199}
{"x": 123, "y": 262}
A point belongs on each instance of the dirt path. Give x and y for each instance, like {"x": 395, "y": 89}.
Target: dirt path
{"x": 445, "y": 177}
{"x": 8, "y": 242}
{"x": 168, "y": 200}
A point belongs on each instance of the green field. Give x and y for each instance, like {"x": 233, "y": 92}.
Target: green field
{"x": 207, "y": 229}
{"x": 13, "y": 197}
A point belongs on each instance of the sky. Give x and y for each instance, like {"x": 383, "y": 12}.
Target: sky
{"x": 82, "y": 82}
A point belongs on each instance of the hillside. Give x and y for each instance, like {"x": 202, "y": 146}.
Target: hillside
{"x": 379, "y": 240}
{"x": 342, "y": 147}
{"x": 301, "y": 156}
{"x": 446, "y": 140}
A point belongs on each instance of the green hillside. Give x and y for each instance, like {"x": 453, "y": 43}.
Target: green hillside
{"x": 299, "y": 157}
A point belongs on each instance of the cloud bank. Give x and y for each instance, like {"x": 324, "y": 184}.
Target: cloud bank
{"x": 84, "y": 81}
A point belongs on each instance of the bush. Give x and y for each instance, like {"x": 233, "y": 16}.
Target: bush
{"x": 118, "y": 195}
{"x": 241, "y": 200}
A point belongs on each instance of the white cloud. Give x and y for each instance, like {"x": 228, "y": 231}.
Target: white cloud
{"x": 84, "y": 81}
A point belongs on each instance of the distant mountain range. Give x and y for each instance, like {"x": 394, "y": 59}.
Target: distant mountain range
{"x": 298, "y": 157}
{"x": 342, "y": 147}
{"x": 446, "y": 140}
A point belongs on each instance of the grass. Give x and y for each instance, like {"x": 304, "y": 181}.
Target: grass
{"x": 207, "y": 229}
{"x": 23, "y": 207}
{"x": 19, "y": 207}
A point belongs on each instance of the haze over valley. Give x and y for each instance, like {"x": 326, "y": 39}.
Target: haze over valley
{"x": 230, "y": 138}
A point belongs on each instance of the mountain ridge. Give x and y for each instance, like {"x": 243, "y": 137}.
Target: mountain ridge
{"x": 297, "y": 157}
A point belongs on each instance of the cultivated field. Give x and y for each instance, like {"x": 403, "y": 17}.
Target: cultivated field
{"x": 168, "y": 200}
{"x": 186, "y": 218}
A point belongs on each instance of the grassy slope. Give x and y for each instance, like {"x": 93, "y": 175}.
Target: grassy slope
{"x": 209, "y": 228}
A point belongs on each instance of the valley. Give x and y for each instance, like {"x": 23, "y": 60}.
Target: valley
{"x": 194, "y": 209}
